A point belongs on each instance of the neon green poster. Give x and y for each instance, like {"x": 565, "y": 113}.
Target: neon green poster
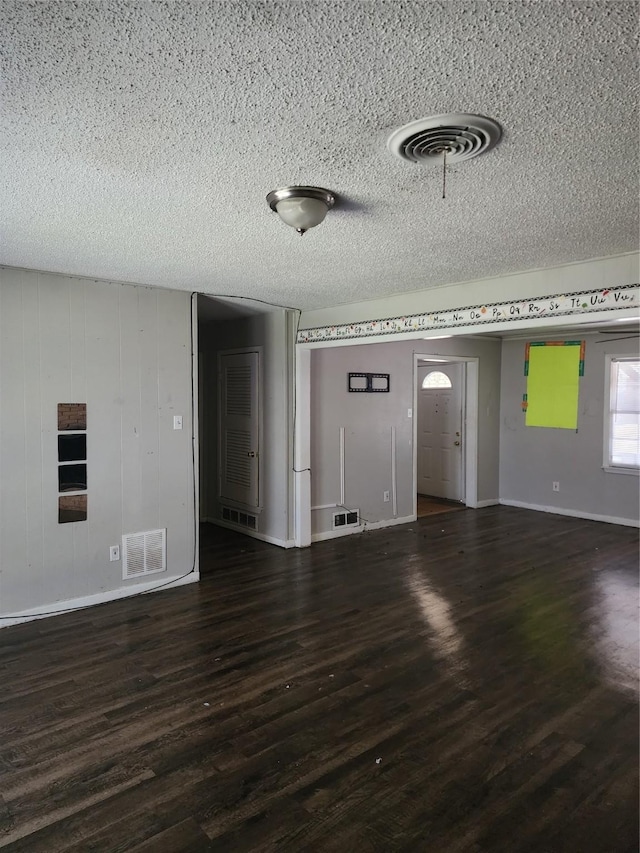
{"x": 553, "y": 371}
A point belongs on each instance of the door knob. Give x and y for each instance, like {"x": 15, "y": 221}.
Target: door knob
{"x": 457, "y": 443}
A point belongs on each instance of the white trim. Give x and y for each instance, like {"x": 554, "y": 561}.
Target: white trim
{"x": 587, "y": 328}
{"x": 482, "y": 504}
{"x": 342, "y": 468}
{"x": 608, "y": 362}
{"x": 361, "y": 528}
{"x": 471, "y": 417}
{"x": 291, "y": 325}
{"x": 394, "y": 475}
{"x": 590, "y": 516}
{"x": 246, "y": 531}
{"x": 302, "y": 449}
{"x": 609, "y": 402}
{"x": 72, "y": 604}
{"x": 195, "y": 427}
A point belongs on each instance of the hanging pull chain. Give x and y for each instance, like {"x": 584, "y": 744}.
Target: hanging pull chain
{"x": 444, "y": 172}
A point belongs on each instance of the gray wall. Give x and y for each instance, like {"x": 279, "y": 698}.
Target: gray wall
{"x": 368, "y": 419}
{"x": 273, "y": 332}
{"x": 126, "y": 352}
{"x": 532, "y": 458}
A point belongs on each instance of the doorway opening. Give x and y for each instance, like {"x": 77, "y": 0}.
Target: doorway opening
{"x": 229, "y": 418}
{"x": 445, "y": 433}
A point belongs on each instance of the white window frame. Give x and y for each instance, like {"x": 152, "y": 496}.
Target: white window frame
{"x": 609, "y": 398}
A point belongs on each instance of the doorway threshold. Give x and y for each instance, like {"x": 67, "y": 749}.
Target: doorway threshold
{"x": 429, "y": 505}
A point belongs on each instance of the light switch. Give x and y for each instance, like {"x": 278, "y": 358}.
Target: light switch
{"x": 177, "y": 421}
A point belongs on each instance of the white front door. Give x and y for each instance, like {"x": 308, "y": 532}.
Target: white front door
{"x": 239, "y": 419}
{"x": 439, "y": 428}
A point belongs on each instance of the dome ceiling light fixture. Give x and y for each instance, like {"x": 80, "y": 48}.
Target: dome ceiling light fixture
{"x": 301, "y": 207}
{"x": 444, "y": 139}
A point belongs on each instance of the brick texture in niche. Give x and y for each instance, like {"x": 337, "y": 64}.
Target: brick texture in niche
{"x": 72, "y": 508}
{"x": 72, "y": 416}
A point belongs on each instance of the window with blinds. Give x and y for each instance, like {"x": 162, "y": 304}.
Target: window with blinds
{"x": 622, "y": 427}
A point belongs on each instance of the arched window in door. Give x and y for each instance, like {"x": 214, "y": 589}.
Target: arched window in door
{"x": 436, "y": 379}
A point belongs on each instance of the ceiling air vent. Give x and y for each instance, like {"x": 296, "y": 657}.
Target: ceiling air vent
{"x": 460, "y": 135}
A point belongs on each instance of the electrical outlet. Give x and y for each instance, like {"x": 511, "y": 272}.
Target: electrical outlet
{"x": 556, "y": 486}
{"x": 114, "y": 553}
{"x": 385, "y": 496}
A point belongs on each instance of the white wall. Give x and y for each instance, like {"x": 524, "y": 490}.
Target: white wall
{"x": 595, "y": 274}
{"x": 126, "y": 352}
{"x": 532, "y": 458}
{"x": 272, "y": 332}
{"x": 368, "y": 419}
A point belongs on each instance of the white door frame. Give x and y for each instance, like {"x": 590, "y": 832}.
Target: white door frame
{"x": 469, "y": 420}
{"x": 302, "y": 448}
{"x": 195, "y": 430}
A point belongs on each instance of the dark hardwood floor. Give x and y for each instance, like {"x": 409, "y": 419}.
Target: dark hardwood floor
{"x": 429, "y": 505}
{"x": 464, "y": 683}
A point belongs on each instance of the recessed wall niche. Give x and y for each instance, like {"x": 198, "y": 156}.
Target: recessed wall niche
{"x": 72, "y": 478}
{"x": 72, "y": 464}
{"x": 72, "y": 447}
{"x": 72, "y": 416}
{"x": 72, "y": 508}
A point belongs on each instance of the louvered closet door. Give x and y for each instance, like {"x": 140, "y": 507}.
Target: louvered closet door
{"x": 239, "y": 419}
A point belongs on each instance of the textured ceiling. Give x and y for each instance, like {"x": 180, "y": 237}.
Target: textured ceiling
{"x": 140, "y": 140}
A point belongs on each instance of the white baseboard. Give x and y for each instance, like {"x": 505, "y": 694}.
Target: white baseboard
{"x": 361, "y": 528}
{"x": 481, "y": 504}
{"x": 272, "y": 540}
{"x": 589, "y": 516}
{"x": 59, "y": 607}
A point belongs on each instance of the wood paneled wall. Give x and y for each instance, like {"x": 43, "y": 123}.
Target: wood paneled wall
{"x": 126, "y": 351}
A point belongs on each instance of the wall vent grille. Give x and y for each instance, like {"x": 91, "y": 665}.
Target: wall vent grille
{"x": 243, "y": 519}
{"x": 237, "y": 457}
{"x": 348, "y": 518}
{"x": 144, "y": 553}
